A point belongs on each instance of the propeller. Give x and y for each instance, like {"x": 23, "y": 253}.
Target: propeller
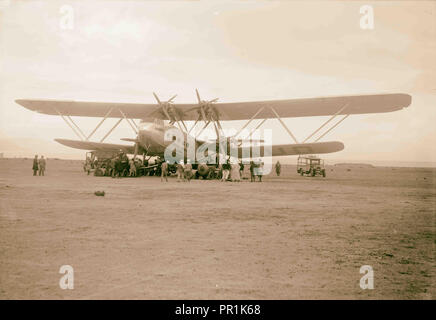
{"x": 206, "y": 106}
{"x": 165, "y": 102}
{"x": 206, "y": 112}
{"x": 204, "y": 101}
{"x": 166, "y": 107}
{"x": 169, "y": 110}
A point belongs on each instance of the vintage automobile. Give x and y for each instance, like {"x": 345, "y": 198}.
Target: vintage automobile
{"x": 310, "y": 165}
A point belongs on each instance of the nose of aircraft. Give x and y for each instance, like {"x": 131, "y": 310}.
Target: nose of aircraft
{"x": 151, "y": 134}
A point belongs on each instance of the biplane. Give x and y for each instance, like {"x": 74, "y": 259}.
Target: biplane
{"x": 156, "y": 118}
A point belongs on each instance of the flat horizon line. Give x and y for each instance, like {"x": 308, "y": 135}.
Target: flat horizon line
{"x": 329, "y": 162}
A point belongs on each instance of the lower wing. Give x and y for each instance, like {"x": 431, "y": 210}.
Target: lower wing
{"x": 100, "y": 146}
{"x": 293, "y": 149}
{"x": 243, "y": 152}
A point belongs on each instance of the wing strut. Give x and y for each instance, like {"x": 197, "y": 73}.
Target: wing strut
{"x": 340, "y": 111}
{"x": 81, "y": 137}
{"x": 201, "y": 131}
{"x": 345, "y": 117}
{"x": 257, "y": 127}
{"x": 112, "y": 129}
{"x": 130, "y": 124}
{"x": 99, "y": 124}
{"x": 283, "y": 124}
{"x": 325, "y": 123}
{"x": 76, "y": 129}
{"x": 249, "y": 121}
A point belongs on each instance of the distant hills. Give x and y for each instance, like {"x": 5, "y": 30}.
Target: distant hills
{"x": 360, "y": 165}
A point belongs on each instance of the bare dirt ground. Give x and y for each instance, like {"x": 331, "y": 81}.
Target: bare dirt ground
{"x": 289, "y": 237}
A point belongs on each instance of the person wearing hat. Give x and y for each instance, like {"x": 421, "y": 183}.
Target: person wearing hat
{"x": 42, "y": 164}
{"x": 278, "y": 168}
{"x": 188, "y": 170}
{"x": 35, "y": 165}
{"x": 164, "y": 171}
{"x": 180, "y": 171}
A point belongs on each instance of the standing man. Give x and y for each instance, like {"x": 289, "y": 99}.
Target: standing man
{"x": 112, "y": 166}
{"x": 241, "y": 170}
{"x": 42, "y": 166}
{"x": 164, "y": 169}
{"x": 278, "y": 168}
{"x": 259, "y": 170}
{"x": 235, "y": 173}
{"x": 180, "y": 171}
{"x": 252, "y": 177}
{"x": 188, "y": 171}
{"x": 35, "y": 165}
{"x": 132, "y": 168}
{"x": 226, "y": 170}
{"x": 220, "y": 171}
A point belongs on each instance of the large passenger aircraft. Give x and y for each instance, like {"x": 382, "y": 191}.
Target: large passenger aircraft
{"x": 151, "y": 128}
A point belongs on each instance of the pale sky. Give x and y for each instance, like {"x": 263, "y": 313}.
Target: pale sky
{"x": 122, "y": 51}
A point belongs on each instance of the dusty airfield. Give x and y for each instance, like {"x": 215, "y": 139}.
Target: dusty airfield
{"x": 290, "y": 237}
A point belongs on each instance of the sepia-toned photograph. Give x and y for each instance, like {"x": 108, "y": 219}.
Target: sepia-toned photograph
{"x": 217, "y": 150}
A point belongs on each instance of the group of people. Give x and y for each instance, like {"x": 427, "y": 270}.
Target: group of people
{"x": 232, "y": 171}
{"x": 226, "y": 172}
{"x": 117, "y": 166}
{"x": 39, "y": 166}
{"x": 122, "y": 165}
{"x": 184, "y": 171}
{"x": 256, "y": 170}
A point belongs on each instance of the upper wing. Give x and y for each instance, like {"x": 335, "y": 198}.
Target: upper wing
{"x": 98, "y": 146}
{"x": 314, "y": 106}
{"x": 358, "y": 104}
